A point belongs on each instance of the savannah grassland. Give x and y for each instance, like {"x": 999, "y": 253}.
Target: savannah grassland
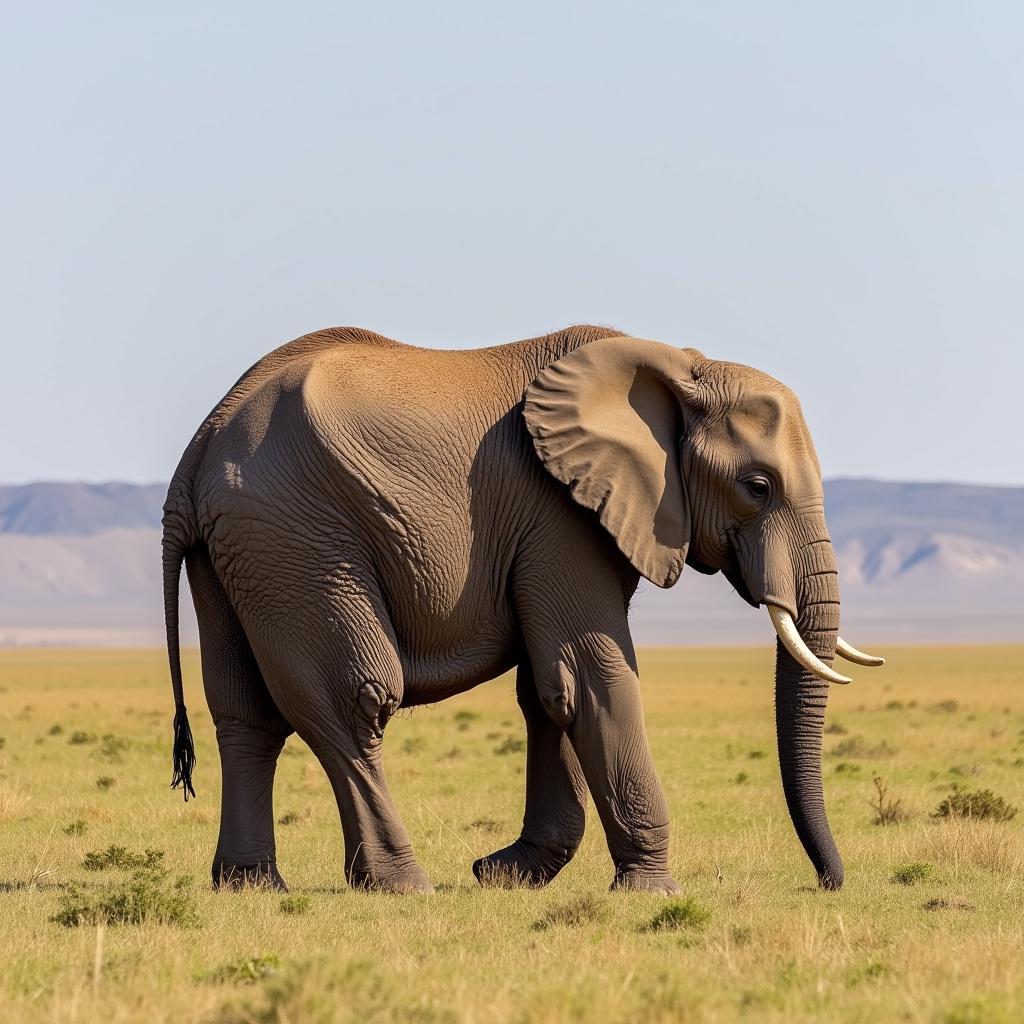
{"x": 758, "y": 942}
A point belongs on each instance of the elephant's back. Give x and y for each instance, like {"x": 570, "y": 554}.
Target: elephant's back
{"x": 301, "y": 350}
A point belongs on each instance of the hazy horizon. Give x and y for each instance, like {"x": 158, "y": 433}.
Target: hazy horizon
{"x": 832, "y": 195}
{"x": 99, "y": 481}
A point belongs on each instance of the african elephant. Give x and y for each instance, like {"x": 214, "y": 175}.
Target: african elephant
{"x": 368, "y": 525}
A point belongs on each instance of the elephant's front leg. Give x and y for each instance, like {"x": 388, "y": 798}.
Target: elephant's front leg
{"x": 556, "y": 795}
{"x": 598, "y": 688}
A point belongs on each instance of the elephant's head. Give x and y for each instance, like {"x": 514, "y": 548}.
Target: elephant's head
{"x": 686, "y": 459}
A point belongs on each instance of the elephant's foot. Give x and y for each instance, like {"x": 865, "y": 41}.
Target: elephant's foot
{"x": 262, "y": 874}
{"x": 646, "y": 880}
{"x": 409, "y": 878}
{"x": 521, "y": 864}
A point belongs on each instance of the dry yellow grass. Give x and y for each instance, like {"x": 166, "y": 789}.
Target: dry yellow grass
{"x": 775, "y": 948}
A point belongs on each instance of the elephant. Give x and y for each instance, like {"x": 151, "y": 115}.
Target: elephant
{"x": 367, "y": 525}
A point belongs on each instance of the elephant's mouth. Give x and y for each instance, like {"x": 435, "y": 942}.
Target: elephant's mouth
{"x": 702, "y": 567}
{"x": 735, "y": 578}
{"x": 731, "y": 572}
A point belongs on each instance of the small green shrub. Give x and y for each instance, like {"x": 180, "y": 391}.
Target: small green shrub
{"x": 946, "y": 706}
{"x": 979, "y": 803}
{"x": 147, "y": 895}
{"x": 245, "y": 971}
{"x": 894, "y": 705}
{"x": 582, "y": 910}
{"x": 55, "y": 730}
{"x": 858, "y": 747}
{"x": 942, "y": 904}
{"x": 912, "y": 873}
{"x": 755, "y": 755}
{"x": 485, "y": 824}
{"x": 680, "y": 915}
{"x": 295, "y": 904}
{"x": 847, "y": 768}
{"x": 740, "y": 778}
{"x": 512, "y": 745}
{"x": 290, "y": 818}
{"x": 413, "y": 745}
{"x": 888, "y": 810}
{"x": 871, "y": 971}
{"x": 106, "y": 782}
{"x": 79, "y": 738}
{"x": 118, "y": 857}
{"x": 78, "y": 827}
{"x": 466, "y": 716}
{"x": 113, "y": 747}
{"x": 835, "y": 729}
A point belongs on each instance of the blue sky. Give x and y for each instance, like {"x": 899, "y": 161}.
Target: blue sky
{"x": 832, "y": 193}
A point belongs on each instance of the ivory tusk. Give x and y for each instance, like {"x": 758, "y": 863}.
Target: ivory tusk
{"x": 850, "y": 653}
{"x": 793, "y": 642}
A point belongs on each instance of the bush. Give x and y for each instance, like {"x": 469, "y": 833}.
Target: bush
{"x": 858, "y": 747}
{"x": 511, "y": 746}
{"x": 79, "y": 738}
{"x": 579, "y": 911}
{"x": 327, "y": 990}
{"x": 77, "y": 827}
{"x": 245, "y": 971}
{"x": 146, "y": 895}
{"x": 120, "y": 857}
{"x": 942, "y": 904}
{"x": 55, "y": 730}
{"x": 113, "y": 747}
{"x": 296, "y": 904}
{"x": 888, "y": 811}
{"x": 105, "y": 782}
{"x": 911, "y": 874}
{"x": 680, "y": 915}
{"x": 979, "y": 803}
{"x": 485, "y": 824}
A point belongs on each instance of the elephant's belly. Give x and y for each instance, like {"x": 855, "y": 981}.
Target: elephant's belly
{"x": 431, "y": 675}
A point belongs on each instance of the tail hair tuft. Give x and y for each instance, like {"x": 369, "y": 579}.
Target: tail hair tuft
{"x": 184, "y": 753}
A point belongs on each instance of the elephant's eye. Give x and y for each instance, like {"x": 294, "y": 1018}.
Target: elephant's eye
{"x": 759, "y": 487}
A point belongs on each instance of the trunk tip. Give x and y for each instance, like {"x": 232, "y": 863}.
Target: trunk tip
{"x": 832, "y": 878}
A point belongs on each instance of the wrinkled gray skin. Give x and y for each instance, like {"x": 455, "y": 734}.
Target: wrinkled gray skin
{"x": 368, "y": 525}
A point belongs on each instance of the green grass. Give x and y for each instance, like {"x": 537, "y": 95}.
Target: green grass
{"x": 927, "y": 929}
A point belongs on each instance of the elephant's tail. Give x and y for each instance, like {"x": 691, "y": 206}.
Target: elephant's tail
{"x": 178, "y": 537}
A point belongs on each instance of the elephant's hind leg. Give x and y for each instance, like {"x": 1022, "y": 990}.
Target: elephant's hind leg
{"x": 556, "y": 795}
{"x": 338, "y": 679}
{"x": 250, "y": 735}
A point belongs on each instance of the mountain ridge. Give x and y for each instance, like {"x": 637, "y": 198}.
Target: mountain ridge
{"x": 80, "y": 562}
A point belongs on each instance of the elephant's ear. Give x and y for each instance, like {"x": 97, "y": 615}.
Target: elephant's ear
{"x": 607, "y": 420}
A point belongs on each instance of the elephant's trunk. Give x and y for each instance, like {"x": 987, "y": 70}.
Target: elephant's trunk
{"x": 800, "y": 699}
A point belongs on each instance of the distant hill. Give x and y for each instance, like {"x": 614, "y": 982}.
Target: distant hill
{"x": 80, "y": 563}
{"x": 917, "y": 563}
{"x": 79, "y": 509}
